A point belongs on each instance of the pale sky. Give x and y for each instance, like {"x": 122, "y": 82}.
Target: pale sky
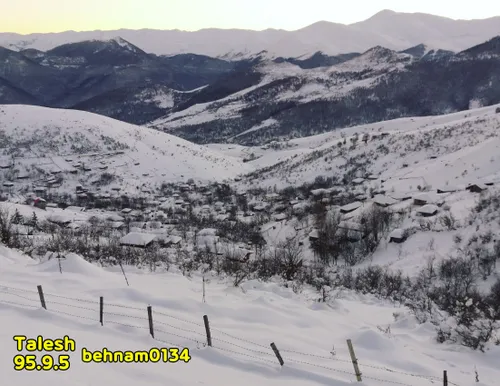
{"x": 27, "y": 16}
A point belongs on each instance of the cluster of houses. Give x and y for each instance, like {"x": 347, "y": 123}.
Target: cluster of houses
{"x": 155, "y": 220}
{"x": 424, "y": 204}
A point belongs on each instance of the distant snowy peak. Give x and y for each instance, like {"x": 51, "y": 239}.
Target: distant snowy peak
{"x": 376, "y": 58}
{"x": 97, "y": 45}
{"x": 118, "y": 41}
{"x": 396, "y": 31}
{"x": 114, "y": 51}
{"x": 418, "y": 51}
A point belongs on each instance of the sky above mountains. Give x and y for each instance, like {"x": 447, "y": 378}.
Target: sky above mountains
{"x": 31, "y": 16}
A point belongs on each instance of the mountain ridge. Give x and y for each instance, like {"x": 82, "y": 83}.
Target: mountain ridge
{"x": 412, "y": 29}
{"x": 378, "y": 85}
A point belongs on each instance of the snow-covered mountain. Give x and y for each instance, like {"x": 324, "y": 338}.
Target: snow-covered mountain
{"x": 281, "y": 99}
{"x": 389, "y": 29}
{"x": 114, "y": 78}
{"x": 251, "y": 101}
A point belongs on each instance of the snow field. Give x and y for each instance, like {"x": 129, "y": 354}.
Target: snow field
{"x": 244, "y": 321}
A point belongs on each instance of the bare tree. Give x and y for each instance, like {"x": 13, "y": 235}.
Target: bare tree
{"x": 290, "y": 257}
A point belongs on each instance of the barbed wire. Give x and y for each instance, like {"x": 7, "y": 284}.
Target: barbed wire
{"x": 198, "y": 342}
{"x": 245, "y": 355}
{"x": 334, "y": 358}
{"x": 21, "y": 296}
{"x": 319, "y": 366}
{"x": 430, "y": 377}
{"x": 178, "y": 328}
{"x": 18, "y": 289}
{"x": 179, "y": 336}
{"x": 176, "y": 318}
{"x": 243, "y": 348}
{"x": 240, "y": 339}
{"x": 17, "y": 304}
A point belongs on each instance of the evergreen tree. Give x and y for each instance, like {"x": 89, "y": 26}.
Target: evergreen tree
{"x": 17, "y": 218}
{"x": 34, "y": 221}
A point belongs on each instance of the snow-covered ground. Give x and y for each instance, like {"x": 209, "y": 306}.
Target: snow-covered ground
{"x": 390, "y": 346}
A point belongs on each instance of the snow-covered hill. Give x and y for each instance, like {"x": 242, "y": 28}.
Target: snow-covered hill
{"x": 458, "y": 148}
{"x": 39, "y": 142}
{"x": 389, "y": 29}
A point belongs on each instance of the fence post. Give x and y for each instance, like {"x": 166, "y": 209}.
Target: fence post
{"x": 207, "y": 329}
{"x": 150, "y": 318}
{"x": 42, "y": 298}
{"x": 354, "y": 360}
{"x": 203, "y": 288}
{"x": 101, "y": 310}
{"x": 445, "y": 378}
{"x": 277, "y": 353}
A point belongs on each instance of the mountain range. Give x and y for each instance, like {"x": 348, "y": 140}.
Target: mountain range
{"x": 274, "y": 101}
{"x": 396, "y": 31}
{"x": 258, "y": 98}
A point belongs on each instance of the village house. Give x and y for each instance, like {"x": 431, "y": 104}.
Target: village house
{"x": 352, "y": 230}
{"x": 350, "y": 207}
{"x": 314, "y": 235}
{"x": 271, "y": 197}
{"x": 383, "y": 201}
{"x": 428, "y": 210}
{"x": 401, "y": 196}
{"x": 476, "y": 188}
{"x": 397, "y": 236}
{"x": 173, "y": 241}
{"x": 40, "y": 203}
{"x": 62, "y": 221}
{"x": 427, "y": 198}
{"x": 137, "y": 240}
{"x": 279, "y": 217}
{"x": 447, "y": 189}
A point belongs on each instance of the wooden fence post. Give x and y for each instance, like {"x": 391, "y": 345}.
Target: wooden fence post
{"x": 101, "y": 310}
{"x": 207, "y": 329}
{"x": 150, "y": 318}
{"x": 277, "y": 353}
{"x": 354, "y": 360}
{"x": 445, "y": 378}
{"x": 203, "y": 288}
{"x": 42, "y": 298}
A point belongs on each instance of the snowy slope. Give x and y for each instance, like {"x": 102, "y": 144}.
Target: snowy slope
{"x": 297, "y": 85}
{"x": 389, "y": 29}
{"x": 457, "y": 148}
{"x": 56, "y": 140}
{"x": 243, "y": 322}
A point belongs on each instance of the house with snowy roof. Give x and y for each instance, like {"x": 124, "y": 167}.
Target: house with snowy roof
{"x": 137, "y": 239}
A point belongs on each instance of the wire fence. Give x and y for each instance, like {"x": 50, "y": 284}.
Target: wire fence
{"x": 179, "y": 332}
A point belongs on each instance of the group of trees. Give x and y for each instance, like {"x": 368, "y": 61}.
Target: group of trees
{"x": 351, "y": 242}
